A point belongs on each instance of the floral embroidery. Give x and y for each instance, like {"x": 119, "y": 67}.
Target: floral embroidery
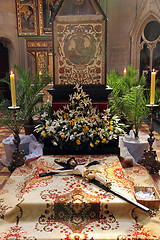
{"x": 16, "y": 232}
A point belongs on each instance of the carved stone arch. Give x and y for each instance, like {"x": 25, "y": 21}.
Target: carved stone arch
{"x": 7, "y": 60}
{"x": 136, "y": 32}
{"x": 11, "y": 50}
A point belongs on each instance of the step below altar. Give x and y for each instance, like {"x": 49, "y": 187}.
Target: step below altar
{"x": 112, "y": 147}
{"x": 98, "y": 94}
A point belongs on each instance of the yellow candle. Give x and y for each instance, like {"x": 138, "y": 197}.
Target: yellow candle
{"x": 13, "y": 91}
{"x": 124, "y": 72}
{"x": 152, "y": 95}
{"x": 40, "y": 76}
{"x": 40, "y": 73}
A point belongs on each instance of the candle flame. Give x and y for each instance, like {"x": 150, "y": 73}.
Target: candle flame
{"x": 11, "y": 73}
{"x": 124, "y": 71}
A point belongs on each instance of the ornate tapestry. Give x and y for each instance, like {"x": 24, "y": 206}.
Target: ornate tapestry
{"x": 79, "y": 53}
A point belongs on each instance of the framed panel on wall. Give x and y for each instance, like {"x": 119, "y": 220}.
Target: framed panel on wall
{"x": 46, "y": 9}
{"x": 27, "y": 17}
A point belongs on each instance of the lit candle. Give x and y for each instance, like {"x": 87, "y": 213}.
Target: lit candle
{"x": 40, "y": 76}
{"x": 124, "y": 72}
{"x": 152, "y": 95}
{"x": 13, "y": 91}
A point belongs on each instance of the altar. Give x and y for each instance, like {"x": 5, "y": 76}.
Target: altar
{"x": 65, "y": 206}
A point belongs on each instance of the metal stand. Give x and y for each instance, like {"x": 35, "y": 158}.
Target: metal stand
{"x": 18, "y": 157}
{"x": 149, "y": 157}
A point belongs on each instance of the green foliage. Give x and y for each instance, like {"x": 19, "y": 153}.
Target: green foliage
{"x": 131, "y": 79}
{"x": 156, "y": 111}
{"x": 45, "y": 107}
{"x": 115, "y": 102}
{"x": 6, "y": 80}
{"x": 27, "y": 91}
{"x": 157, "y": 95}
{"x": 7, "y": 118}
{"x": 134, "y": 103}
{"x": 27, "y": 97}
{"x": 127, "y": 98}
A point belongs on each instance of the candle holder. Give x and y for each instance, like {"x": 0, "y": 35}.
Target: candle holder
{"x": 149, "y": 157}
{"x": 18, "y": 157}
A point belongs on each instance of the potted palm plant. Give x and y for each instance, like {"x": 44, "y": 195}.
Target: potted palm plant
{"x": 27, "y": 95}
{"x": 135, "y": 111}
{"x": 128, "y": 98}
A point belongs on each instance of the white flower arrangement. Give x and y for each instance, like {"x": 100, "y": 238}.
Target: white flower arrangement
{"x": 79, "y": 125}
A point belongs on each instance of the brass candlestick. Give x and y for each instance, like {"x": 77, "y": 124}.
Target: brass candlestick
{"x": 149, "y": 157}
{"x": 18, "y": 157}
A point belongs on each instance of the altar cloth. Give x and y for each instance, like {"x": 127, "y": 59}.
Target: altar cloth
{"x": 67, "y": 207}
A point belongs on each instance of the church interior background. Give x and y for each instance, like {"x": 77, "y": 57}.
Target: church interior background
{"x": 120, "y": 34}
{"x": 26, "y": 35}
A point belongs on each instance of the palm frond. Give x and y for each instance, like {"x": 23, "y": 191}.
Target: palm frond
{"x": 27, "y": 97}
{"x": 135, "y": 110}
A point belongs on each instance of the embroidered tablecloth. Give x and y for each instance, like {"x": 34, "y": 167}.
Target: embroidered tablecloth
{"x": 67, "y": 207}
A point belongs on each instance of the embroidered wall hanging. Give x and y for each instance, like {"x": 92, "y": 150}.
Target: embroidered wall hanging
{"x": 79, "y": 54}
{"x": 79, "y": 43}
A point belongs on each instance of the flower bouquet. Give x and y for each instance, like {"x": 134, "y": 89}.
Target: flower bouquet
{"x": 79, "y": 126}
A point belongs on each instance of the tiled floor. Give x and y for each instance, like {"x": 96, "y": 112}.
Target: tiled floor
{"x": 4, "y": 173}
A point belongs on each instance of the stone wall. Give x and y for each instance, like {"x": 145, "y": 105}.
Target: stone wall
{"x": 126, "y": 20}
{"x": 8, "y": 30}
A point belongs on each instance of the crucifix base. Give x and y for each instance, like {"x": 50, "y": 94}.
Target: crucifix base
{"x": 149, "y": 157}
{"x": 150, "y": 162}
